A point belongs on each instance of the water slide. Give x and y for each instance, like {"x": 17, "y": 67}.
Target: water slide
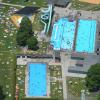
{"x": 47, "y": 13}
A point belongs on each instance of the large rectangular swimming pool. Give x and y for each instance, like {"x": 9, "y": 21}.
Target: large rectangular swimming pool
{"x": 63, "y": 34}
{"x": 86, "y": 35}
{"x": 37, "y": 79}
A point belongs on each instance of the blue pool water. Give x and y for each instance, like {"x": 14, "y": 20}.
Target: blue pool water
{"x": 85, "y": 41}
{"x": 37, "y": 79}
{"x": 63, "y": 34}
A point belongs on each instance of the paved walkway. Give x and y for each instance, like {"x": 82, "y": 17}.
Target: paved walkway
{"x": 65, "y": 63}
{"x": 8, "y": 4}
{"x": 76, "y": 75}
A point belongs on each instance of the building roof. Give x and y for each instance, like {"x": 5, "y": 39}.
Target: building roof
{"x": 59, "y": 2}
{"x": 27, "y": 10}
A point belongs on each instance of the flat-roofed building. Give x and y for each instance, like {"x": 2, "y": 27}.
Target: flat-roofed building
{"x": 61, "y": 3}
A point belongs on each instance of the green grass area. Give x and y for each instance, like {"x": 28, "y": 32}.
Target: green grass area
{"x": 55, "y": 71}
{"x": 40, "y": 3}
{"x": 76, "y": 4}
{"x": 75, "y": 85}
{"x": 37, "y": 25}
{"x": 20, "y": 80}
{"x": 7, "y": 54}
{"x": 39, "y": 99}
{"x": 56, "y": 85}
{"x": 56, "y": 90}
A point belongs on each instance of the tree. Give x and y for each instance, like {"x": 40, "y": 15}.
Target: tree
{"x": 93, "y": 78}
{"x": 32, "y": 43}
{"x": 26, "y": 25}
{"x": 98, "y": 98}
{"x": 24, "y": 32}
{"x": 2, "y": 95}
{"x": 21, "y": 38}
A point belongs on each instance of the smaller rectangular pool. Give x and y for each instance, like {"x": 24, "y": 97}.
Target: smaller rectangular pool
{"x": 37, "y": 79}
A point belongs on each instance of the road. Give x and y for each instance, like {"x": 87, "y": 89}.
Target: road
{"x": 14, "y": 5}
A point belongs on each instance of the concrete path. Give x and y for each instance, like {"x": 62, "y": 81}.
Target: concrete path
{"x": 8, "y": 4}
{"x": 65, "y": 63}
{"x": 76, "y": 75}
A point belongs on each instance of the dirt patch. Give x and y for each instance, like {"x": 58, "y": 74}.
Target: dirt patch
{"x": 91, "y": 1}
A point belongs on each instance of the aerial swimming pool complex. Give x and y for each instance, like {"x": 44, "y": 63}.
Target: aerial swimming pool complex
{"x": 37, "y": 80}
{"x": 63, "y": 35}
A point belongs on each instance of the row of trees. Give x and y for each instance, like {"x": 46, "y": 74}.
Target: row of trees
{"x": 25, "y": 35}
{"x": 93, "y": 78}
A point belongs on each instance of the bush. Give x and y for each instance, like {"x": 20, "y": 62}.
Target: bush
{"x": 32, "y": 43}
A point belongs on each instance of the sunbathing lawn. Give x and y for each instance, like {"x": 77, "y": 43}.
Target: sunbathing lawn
{"x": 7, "y": 54}
{"x": 7, "y": 74}
{"x": 8, "y": 50}
{"x": 37, "y": 24}
{"x": 76, "y": 4}
{"x": 55, "y": 71}
{"x": 39, "y": 3}
{"x": 75, "y": 85}
{"x": 56, "y": 85}
{"x": 20, "y": 79}
{"x": 56, "y": 90}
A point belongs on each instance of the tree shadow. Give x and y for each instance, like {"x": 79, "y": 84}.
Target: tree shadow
{"x": 2, "y": 95}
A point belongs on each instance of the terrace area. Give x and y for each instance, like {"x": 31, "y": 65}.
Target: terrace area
{"x": 38, "y": 3}
{"x": 7, "y": 53}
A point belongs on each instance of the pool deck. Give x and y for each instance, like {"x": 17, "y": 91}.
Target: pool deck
{"x": 75, "y": 35}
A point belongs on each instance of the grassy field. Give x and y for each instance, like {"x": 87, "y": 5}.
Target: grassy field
{"x": 40, "y": 3}
{"x": 8, "y": 51}
{"x": 37, "y": 25}
{"x": 55, "y": 71}
{"x": 75, "y": 85}
{"x": 76, "y": 4}
{"x": 7, "y": 74}
{"x": 20, "y": 79}
{"x": 56, "y": 85}
{"x": 56, "y": 90}
{"x": 7, "y": 54}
